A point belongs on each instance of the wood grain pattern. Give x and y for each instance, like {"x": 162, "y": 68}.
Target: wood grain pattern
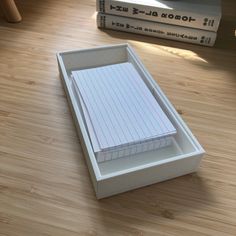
{"x": 45, "y": 187}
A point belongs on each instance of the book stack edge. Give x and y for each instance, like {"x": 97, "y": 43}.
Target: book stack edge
{"x": 190, "y": 21}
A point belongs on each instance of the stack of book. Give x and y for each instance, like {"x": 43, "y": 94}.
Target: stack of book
{"x": 192, "y": 21}
{"x": 121, "y": 114}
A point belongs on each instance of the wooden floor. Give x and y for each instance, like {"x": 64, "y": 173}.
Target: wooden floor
{"x": 45, "y": 188}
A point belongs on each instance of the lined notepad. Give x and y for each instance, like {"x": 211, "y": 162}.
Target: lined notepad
{"x": 121, "y": 114}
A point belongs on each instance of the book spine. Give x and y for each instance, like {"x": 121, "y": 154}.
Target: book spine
{"x": 184, "y": 34}
{"x": 158, "y": 14}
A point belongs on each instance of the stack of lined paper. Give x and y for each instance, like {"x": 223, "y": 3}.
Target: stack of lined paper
{"x": 122, "y": 116}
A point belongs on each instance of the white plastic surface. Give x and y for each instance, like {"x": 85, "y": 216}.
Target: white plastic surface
{"x": 182, "y": 157}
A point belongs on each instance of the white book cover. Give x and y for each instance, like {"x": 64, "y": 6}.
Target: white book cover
{"x": 155, "y": 29}
{"x": 122, "y": 116}
{"x": 188, "y": 13}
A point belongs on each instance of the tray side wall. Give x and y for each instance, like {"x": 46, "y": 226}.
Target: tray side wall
{"x": 79, "y": 132}
{"x": 93, "y": 58}
{"x": 148, "y": 176}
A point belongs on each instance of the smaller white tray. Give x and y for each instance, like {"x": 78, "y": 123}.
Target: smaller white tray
{"x": 124, "y": 174}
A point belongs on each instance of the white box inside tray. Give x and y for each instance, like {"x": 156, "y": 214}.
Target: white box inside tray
{"x": 124, "y": 174}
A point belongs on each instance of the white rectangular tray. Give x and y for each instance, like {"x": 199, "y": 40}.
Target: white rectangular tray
{"x": 116, "y": 176}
